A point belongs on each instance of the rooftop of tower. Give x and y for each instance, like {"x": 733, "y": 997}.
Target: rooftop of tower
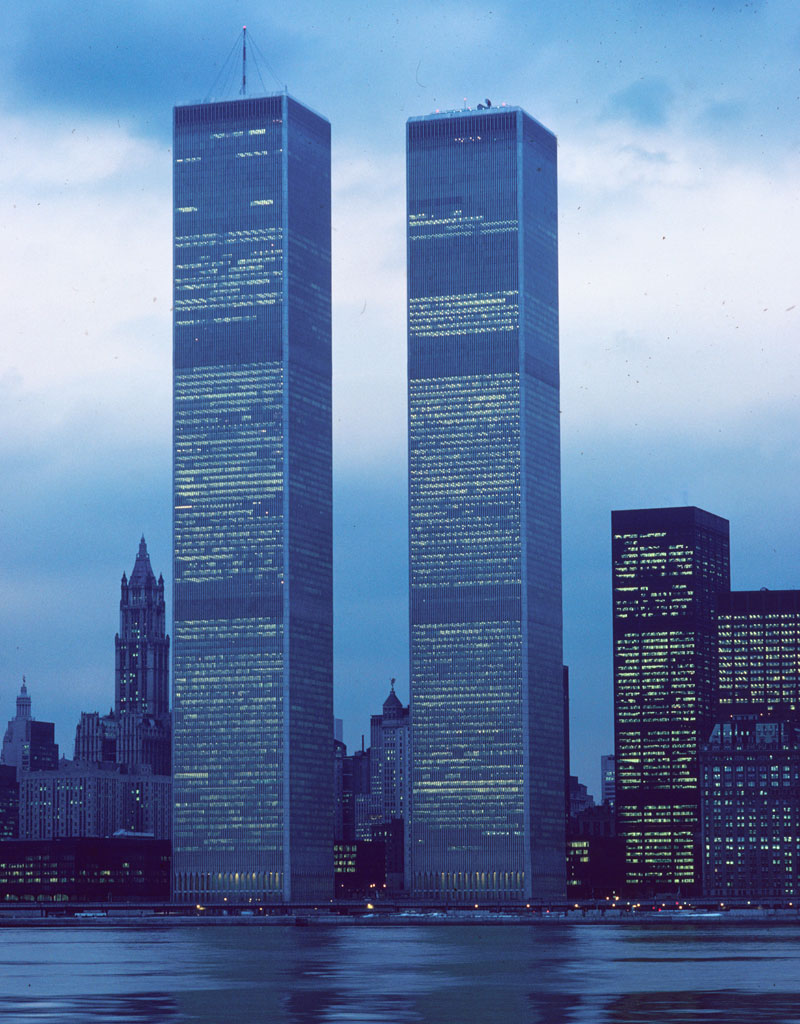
{"x": 481, "y": 111}
{"x": 142, "y": 570}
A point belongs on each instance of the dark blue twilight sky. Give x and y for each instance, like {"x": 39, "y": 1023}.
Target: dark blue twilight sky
{"x": 678, "y": 137}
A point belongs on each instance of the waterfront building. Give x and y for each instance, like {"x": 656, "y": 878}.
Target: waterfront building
{"x": 487, "y": 698}
{"x": 669, "y": 567}
{"x": 29, "y": 745}
{"x": 750, "y": 784}
{"x": 252, "y": 634}
{"x": 122, "y": 869}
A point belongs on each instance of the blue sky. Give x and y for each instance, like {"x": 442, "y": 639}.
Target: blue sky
{"x": 678, "y": 137}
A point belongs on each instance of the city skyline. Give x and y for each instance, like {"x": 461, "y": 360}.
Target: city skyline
{"x": 678, "y": 367}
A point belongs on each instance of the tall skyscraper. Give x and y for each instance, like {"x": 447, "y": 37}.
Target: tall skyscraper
{"x": 252, "y": 635}
{"x": 487, "y": 708}
{"x": 669, "y": 566}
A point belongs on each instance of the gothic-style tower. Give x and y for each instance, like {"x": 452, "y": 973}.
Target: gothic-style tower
{"x": 141, "y": 678}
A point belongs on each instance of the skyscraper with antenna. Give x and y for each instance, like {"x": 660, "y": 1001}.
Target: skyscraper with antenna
{"x": 252, "y": 628}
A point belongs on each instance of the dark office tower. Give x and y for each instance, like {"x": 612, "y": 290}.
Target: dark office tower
{"x": 669, "y": 565}
{"x": 252, "y": 635}
{"x": 484, "y": 508}
{"x": 759, "y": 652}
{"x": 141, "y": 678}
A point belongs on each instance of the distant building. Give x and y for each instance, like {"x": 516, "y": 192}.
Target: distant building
{"x": 115, "y": 870}
{"x": 389, "y": 741}
{"x": 9, "y": 802}
{"x": 750, "y": 784}
{"x": 669, "y": 567}
{"x": 78, "y": 800}
{"x": 595, "y": 861}
{"x": 371, "y": 790}
{"x": 608, "y": 779}
{"x": 29, "y": 745}
{"x": 339, "y": 756}
{"x": 579, "y": 797}
{"x": 137, "y": 732}
{"x": 141, "y": 677}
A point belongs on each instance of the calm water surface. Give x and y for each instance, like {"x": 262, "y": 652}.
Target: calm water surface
{"x": 542, "y": 974}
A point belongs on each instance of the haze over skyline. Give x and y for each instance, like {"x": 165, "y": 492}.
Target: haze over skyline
{"x": 678, "y": 233}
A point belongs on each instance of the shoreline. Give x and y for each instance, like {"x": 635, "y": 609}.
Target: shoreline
{"x": 149, "y": 921}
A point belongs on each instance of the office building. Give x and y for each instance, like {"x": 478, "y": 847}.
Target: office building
{"x": 252, "y": 634}
{"x": 29, "y": 745}
{"x": 122, "y": 869}
{"x": 750, "y": 784}
{"x": 759, "y": 651}
{"x": 669, "y": 567}
{"x": 77, "y": 800}
{"x": 487, "y": 700}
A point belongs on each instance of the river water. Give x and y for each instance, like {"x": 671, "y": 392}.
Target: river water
{"x": 437, "y": 974}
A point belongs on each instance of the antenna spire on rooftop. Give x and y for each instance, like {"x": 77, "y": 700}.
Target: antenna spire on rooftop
{"x": 244, "y": 60}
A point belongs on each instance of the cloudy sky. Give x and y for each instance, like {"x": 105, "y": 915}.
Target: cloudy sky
{"x": 678, "y": 134}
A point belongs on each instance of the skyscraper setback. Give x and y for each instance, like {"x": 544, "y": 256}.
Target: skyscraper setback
{"x": 484, "y": 507}
{"x": 252, "y": 629}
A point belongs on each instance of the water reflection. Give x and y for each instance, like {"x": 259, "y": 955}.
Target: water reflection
{"x": 135, "y": 1009}
{"x": 545, "y": 974}
{"x": 727, "y": 1007}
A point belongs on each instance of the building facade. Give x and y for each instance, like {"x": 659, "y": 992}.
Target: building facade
{"x": 759, "y": 651}
{"x": 78, "y": 800}
{"x": 488, "y": 772}
{"x": 141, "y": 671}
{"x": 252, "y": 643}
{"x": 669, "y": 565}
{"x": 750, "y": 784}
{"x": 123, "y": 869}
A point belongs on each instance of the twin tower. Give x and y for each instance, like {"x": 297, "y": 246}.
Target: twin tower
{"x": 253, "y": 597}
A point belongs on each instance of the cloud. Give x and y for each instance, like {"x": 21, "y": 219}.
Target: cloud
{"x": 86, "y": 279}
{"x": 677, "y": 274}
{"x": 646, "y": 102}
